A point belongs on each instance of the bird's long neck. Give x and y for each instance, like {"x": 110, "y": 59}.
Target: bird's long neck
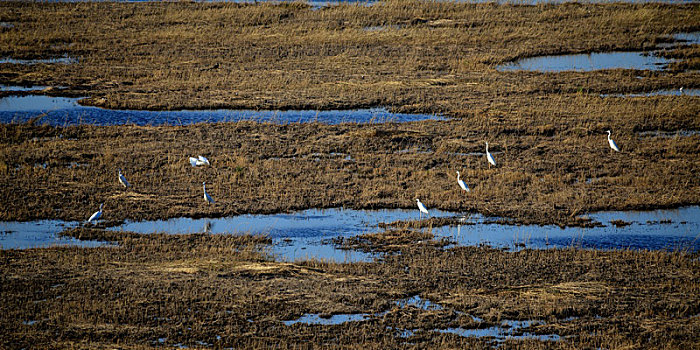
{"x": 204, "y": 187}
{"x": 487, "y": 147}
{"x": 458, "y": 176}
{"x": 608, "y": 135}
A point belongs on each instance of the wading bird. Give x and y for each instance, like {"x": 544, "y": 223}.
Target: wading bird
{"x": 462, "y": 184}
{"x": 422, "y": 209}
{"x": 612, "y": 143}
{"x": 203, "y": 161}
{"x": 207, "y": 197}
{"x": 122, "y": 180}
{"x": 97, "y": 215}
{"x": 489, "y": 157}
{"x": 195, "y": 162}
{"x": 681, "y": 90}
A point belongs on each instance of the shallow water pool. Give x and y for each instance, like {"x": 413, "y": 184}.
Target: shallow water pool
{"x": 64, "y": 111}
{"x": 40, "y": 234}
{"x": 588, "y": 62}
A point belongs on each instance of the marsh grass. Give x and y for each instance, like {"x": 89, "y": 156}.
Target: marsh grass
{"x": 547, "y": 132}
{"x": 220, "y": 290}
{"x": 266, "y": 168}
{"x": 428, "y": 57}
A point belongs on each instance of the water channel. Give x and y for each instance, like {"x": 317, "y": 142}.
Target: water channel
{"x": 310, "y": 234}
{"x": 65, "y": 111}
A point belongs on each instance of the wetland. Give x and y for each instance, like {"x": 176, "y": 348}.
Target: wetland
{"x": 321, "y": 126}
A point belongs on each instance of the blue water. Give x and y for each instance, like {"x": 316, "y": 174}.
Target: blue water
{"x": 667, "y": 92}
{"x": 645, "y": 232}
{"x": 39, "y": 234}
{"x": 332, "y": 320}
{"x": 300, "y": 235}
{"x": 692, "y": 38}
{"x": 62, "y": 60}
{"x": 414, "y": 301}
{"x": 418, "y": 302}
{"x": 21, "y": 88}
{"x": 588, "y": 62}
{"x": 508, "y": 329}
{"x": 309, "y": 234}
{"x": 669, "y": 134}
{"x": 64, "y": 111}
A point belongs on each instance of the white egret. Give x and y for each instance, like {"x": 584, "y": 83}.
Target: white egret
{"x": 122, "y": 180}
{"x": 422, "y": 209}
{"x": 681, "y": 90}
{"x": 203, "y": 161}
{"x": 97, "y": 215}
{"x": 462, "y": 184}
{"x": 612, "y": 143}
{"x": 199, "y": 161}
{"x": 489, "y": 157}
{"x": 207, "y": 197}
